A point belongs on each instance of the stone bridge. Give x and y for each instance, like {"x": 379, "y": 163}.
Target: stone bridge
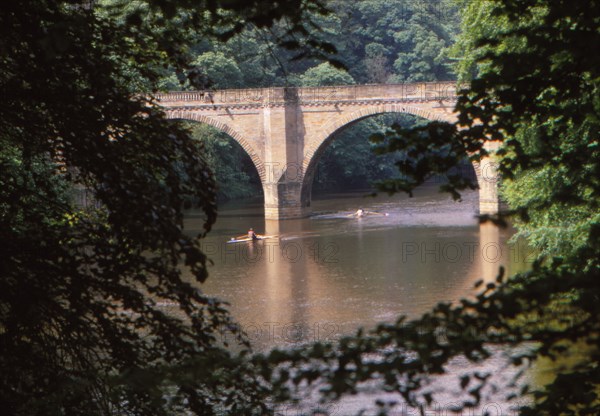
{"x": 285, "y": 130}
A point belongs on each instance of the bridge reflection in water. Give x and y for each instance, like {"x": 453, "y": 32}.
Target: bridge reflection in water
{"x": 327, "y": 275}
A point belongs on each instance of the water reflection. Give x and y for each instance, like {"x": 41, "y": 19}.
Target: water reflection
{"x": 329, "y": 274}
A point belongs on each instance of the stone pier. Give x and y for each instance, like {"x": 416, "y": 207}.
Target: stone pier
{"x": 286, "y": 130}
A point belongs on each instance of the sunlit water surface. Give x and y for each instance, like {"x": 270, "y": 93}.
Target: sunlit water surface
{"x": 325, "y": 276}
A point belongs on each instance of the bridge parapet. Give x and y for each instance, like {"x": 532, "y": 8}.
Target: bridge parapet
{"x": 286, "y": 130}
{"x": 408, "y": 92}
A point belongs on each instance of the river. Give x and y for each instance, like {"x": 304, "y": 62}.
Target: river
{"x": 325, "y": 276}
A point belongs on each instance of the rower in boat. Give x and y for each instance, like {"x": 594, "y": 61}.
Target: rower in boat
{"x": 362, "y": 213}
{"x": 251, "y": 236}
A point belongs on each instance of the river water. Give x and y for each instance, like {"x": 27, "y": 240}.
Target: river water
{"x": 325, "y": 276}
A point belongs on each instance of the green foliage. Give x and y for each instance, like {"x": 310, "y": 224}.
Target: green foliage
{"x": 83, "y": 329}
{"x": 556, "y": 229}
{"x": 536, "y": 92}
{"x": 252, "y": 56}
{"x": 348, "y": 163}
{"x": 182, "y": 30}
{"x": 395, "y": 41}
{"x": 325, "y": 74}
{"x": 351, "y": 161}
{"x": 235, "y": 175}
{"x": 377, "y": 41}
{"x": 222, "y": 72}
{"x": 95, "y": 315}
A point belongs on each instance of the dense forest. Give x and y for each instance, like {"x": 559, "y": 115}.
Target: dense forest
{"x": 377, "y": 41}
{"x": 83, "y": 327}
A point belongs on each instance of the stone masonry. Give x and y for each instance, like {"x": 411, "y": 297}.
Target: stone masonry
{"x": 285, "y": 130}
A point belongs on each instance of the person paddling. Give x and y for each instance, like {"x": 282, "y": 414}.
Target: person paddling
{"x": 252, "y": 234}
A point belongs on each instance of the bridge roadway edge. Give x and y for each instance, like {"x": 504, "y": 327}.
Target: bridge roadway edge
{"x": 258, "y": 119}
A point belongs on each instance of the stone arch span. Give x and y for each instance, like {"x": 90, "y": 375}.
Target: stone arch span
{"x": 326, "y": 136}
{"x": 280, "y": 128}
{"x": 219, "y": 125}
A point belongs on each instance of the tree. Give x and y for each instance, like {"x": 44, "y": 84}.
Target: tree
{"x": 349, "y": 162}
{"x": 395, "y": 41}
{"x": 234, "y": 172}
{"x": 222, "y": 72}
{"x": 254, "y": 59}
{"x": 369, "y": 37}
{"x": 325, "y": 74}
{"x": 535, "y": 92}
{"x": 95, "y": 315}
{"x": 377, "y": 63}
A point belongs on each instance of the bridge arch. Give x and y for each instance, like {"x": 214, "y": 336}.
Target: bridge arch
{"x": 219, "y": 125}
{"x": 327, "y": 133}
{"x": 280, "y": 128}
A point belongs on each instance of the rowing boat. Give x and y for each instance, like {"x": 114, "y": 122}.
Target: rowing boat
{"x": 248, "y": 239}
{"x": 367, "y": 213}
